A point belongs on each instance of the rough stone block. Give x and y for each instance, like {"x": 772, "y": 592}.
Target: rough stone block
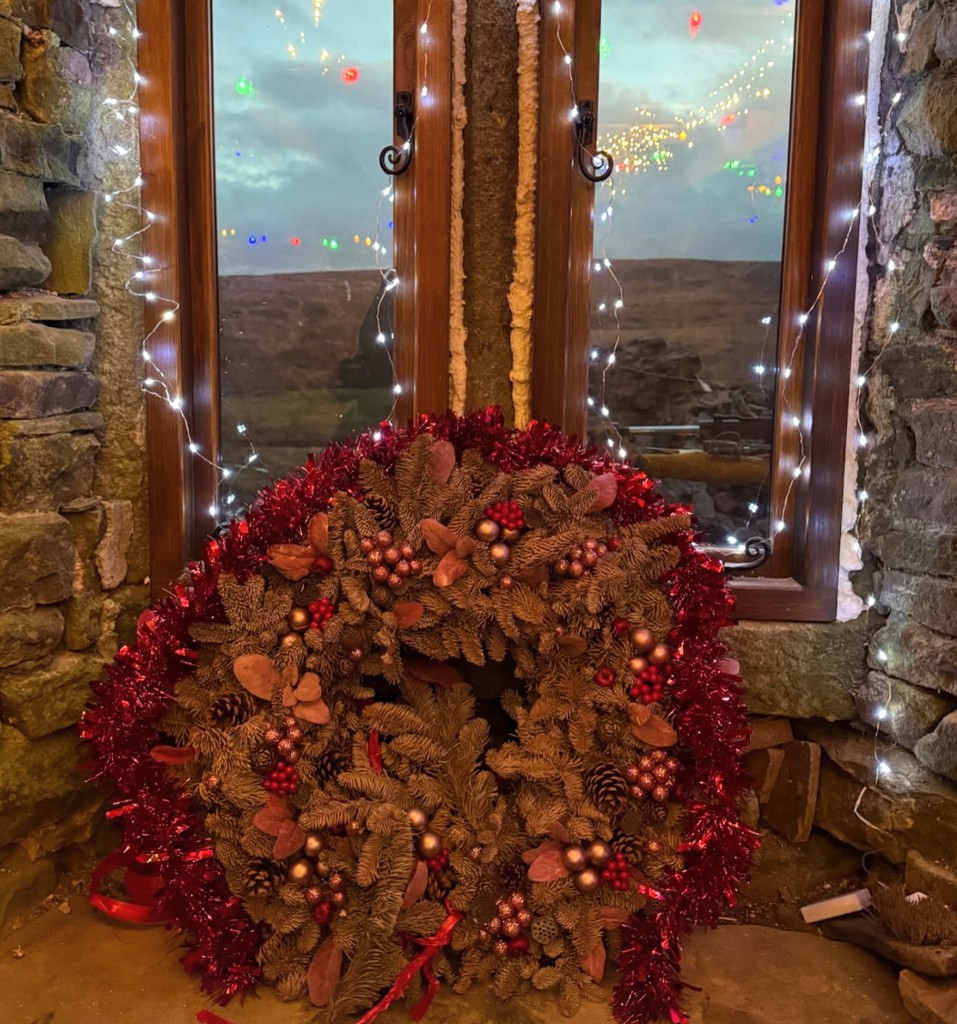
{"x": 111, "y": 553}
{"x": 935, "y": 432}
{"x": 19, "y": 822}
{"x": 800, "y": 671}
{"x": 21, "y": 265}
{"x": 931, "y": 602}
{"x": 910, "y": 807}
{"x": 927, "y": 1000}
{"x": 10, "y": 38}
{"x": 926, "y": 876}
{"x": 937, "y": 961}
{"x": 72, "y": 232}
{"x": 15, "y": 309}
{"x": 38, "y": 150}
{"x": 23, "y": 208}
{"x": 32, "y": 344}
{"x": 763, "y": 766}
{"x": 23, "y": 882}
{"x": 56, "y": 83}
{"x": 916, "y": 654}
{"x": 928, "y": 118}
{"x": 928, "y": 495}
{"x": 924, "y": 369}
{"x": 30, "y": 394}
{"x": 769, "y": 732}
{"x": 68, "y": 18}
{"x": 29, "y": 636}
{"x": 938, "y": 750}
{"x": 45, "y": 472}
{"x": 910, "y": 712}
{"x": 36, "y": 560}
{"x": 69, "y": 829}
{"x": 924, "y": 548}
{"x": 943, "y": 205}
{"x": 84, "y": 610}
{"x": 43, "y": 701}
{"x": 33, "y": 770}
{"x": 790, "y": 807}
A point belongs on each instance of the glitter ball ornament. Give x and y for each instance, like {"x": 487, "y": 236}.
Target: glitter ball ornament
{"x": 580, "y": 559}
{"x": 500, "y": 947}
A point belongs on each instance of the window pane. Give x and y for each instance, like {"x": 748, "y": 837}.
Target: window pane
{"x": 694, "y": 107}
{"x": 303, "y": 105}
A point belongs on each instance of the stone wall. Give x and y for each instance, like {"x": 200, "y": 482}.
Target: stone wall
{"x": 832, "y": 681}
{"x": 73, "y": 553}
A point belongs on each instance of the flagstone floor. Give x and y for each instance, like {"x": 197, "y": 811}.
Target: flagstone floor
{"x": 80, "y": 968}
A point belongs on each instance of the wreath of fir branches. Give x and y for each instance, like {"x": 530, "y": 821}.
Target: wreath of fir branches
{"x": 451, "y": 700}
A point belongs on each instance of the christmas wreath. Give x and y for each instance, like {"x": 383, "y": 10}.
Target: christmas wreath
{"x": 448, "y": 704}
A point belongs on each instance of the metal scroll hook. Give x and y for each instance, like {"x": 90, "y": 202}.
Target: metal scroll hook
{"x": 595, "y": 166}
{"x": 396, "y": 159}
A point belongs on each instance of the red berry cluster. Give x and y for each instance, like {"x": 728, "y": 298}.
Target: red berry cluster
{"x": 616, "y": 872}
{"x": 507, "y": 514}
{"x": 605, "y": 677}
{"x": 653, "y": 775}
{"x": 649, "y": 687}
{"x": 284, "y": 778}
{"x": 321, "y": 611}
{"x": 438, "y": 862}
{"x": 390, "y": 563}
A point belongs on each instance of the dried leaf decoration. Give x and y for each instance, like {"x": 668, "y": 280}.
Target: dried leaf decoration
{"x": 323, "y": 974}
{"x": 442, "y": 461}
{"x": 407, "y": 613}
{"x": 605, "y": 488}
{"x": 173, "y": 755}
{"x": 289, "y": 840}
{"x": 594, "y": 963}
{"x": 418, "y": 883}
{"x": 258, "y": 674}
{"x": 529, "y": 856}
{"x": 649, "y": 727}
{"x": 271, "y": 818}
{"x": 575, "y": 646}
{"x": 612, "y": 917}
{"x": 431, "y": 671}
{"x": 547, "y": 867}
{"x": 306, "y": 700}
{"x": 453, "y": 549}
{"x": 296, "y": 561}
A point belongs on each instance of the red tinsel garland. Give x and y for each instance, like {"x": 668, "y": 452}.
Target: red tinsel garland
{"x": 160, "y": 822}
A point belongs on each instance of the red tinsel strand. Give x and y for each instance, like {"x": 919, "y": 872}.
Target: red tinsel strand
{"x": 158, "y": 817}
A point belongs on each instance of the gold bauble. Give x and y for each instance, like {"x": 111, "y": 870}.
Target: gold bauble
{"x": 290, "y": 640}
{"x": 642, "y": 638}
{"x": 323, "y": 869}
{"x": 313, "y": 845}
{"x": 660, "y": 654}
{"x": 599, "y": 853}
{"x": 300, "y": 871}
{"x": 299, "y": 619}
{"x": 574, "y": 858}
{"x": 637, "y": 665}
{"x": 430, "y": 845}
{"x": 500, "y": 553}
{"x": 487, "y": 531}
{"x": 587, "y": 880}
{"x": 418, "y": 819}
{"x": 511, "y": 536}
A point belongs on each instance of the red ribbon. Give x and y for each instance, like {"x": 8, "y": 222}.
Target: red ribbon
{"x": 420, "y": 962}
{"x": 207, "y": 1017}
{"x": 375, "y": 753}
{"x": 140, "y": 884}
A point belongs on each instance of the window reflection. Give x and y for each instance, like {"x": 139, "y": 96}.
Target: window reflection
{"x": 303, "y": 99}
{"x": 695, "y": 109}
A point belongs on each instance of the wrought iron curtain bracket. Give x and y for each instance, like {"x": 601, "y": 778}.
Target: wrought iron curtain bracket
{"x": 595, "y": 166}
{"x": 756, "y": 551}
{"x": 396, "y": 159}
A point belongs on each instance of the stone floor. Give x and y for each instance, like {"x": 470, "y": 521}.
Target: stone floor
{"x": 80, "y": 968}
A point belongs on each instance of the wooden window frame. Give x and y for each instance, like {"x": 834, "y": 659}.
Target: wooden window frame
{"x": 178, "y": 162}
{"x": 800, "y": 580}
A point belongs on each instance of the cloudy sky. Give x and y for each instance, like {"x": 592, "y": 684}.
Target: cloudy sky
{"x": 297, "y": 145}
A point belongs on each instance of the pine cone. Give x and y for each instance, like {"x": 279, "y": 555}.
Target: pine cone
{"x": 439, "y": 885}
{"x": 262, "y": 877}
{"x": 229, "y": 710}
{"x": 633, "y": 820}
{"x": 654, "y": 812}
{"x": 263, "y": 759}
{"x": 328, "y": 765}
{"x": 630, "y": 846}
{"x": 608, "y": 729}
{"x": 512, "y": 876}
{"x": 607, "y": 787}
{"x": 384, "y": 511}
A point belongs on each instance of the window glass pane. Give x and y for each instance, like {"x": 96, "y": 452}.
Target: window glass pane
{"x": 694, "y": 107}
{"x": 303, "y": 105}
